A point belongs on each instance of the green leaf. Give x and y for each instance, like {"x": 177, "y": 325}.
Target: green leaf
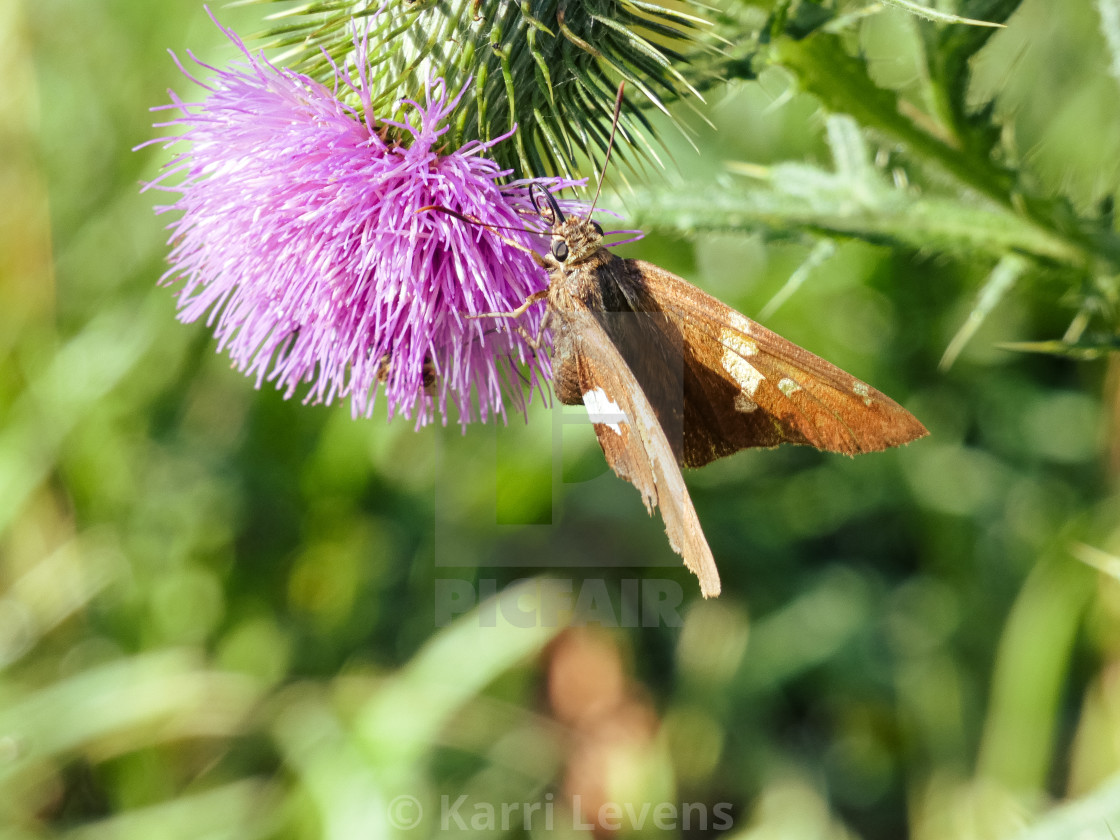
{"x": 80, "y": 374}
{"x": 403, "y": 720}
{"x": 1085, "y": 348}
{"x": 1030, "y": 674}
{"x": 241, "y": 810}
{"x": 1090, "y": 817}
{"x": 1102, "y": 561}
{"x": 855, "y": 200}
{"x": 1109, "y": 11}
{"x": 138, "y": 701}
{"x": 949, "y": 51}
{"x": 937, "y": 16}
{"x": 54, "y": 589}
{"x": 353, "y": 771}
{"x": 843, "y": 85}
{"x": 1007, "y": 271}
{"x": 820, "y": 254}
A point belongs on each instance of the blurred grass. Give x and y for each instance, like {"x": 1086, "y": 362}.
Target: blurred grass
{"x": 217, "y": 608}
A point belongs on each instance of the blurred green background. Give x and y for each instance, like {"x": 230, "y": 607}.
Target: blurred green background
{"x": 218, "y": 609}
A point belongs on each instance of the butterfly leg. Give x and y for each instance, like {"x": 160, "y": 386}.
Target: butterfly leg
{"x": 536, "y": 297}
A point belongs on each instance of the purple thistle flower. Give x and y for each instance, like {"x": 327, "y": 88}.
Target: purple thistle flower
{"x": 301, "y": 243}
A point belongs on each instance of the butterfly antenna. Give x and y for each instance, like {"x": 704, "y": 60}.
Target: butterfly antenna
{"x": 610, "y": 145}
{"x": 471, "y": 220}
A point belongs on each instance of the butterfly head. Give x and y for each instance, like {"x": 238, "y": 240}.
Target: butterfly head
{"x": 573, "y": 239}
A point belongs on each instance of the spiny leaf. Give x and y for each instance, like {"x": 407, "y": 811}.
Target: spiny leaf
{"x": 1103, "y": 561}
{"x": 1007, "y": 271}
{"x": 843, "y": 84}
{"x": 821, "y": 252}
{"x": 1085, "y": 348}
{"x": 855, "y": 200}
{"x": 939, "y": 17}
{"x": 949, "y": 51}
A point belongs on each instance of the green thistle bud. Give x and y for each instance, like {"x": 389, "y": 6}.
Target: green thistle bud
{"x": 548, "y": 67}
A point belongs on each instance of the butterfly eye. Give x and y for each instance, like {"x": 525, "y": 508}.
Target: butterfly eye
{"x": 560, "y": 250}
{"x": 597, "y": 227}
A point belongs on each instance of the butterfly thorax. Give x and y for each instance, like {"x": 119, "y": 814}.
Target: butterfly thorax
{"x": 589, "y": 285}
{"x": 577, "y": 262}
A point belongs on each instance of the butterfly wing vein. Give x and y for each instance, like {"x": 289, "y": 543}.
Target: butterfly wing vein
{"x": 745, "y": 386}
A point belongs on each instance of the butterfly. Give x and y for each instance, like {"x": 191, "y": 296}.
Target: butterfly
{"x": 671, "y": 377}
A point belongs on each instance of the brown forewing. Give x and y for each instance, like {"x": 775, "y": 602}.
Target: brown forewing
{"x": 586, "y": 360}
{"x": 745, "y": 386}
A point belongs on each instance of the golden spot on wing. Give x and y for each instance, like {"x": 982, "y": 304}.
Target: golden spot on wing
{"x": 741, "y": 371}
{"x": 788, "y": 387}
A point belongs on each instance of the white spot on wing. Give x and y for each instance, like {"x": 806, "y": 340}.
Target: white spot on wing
{"x": 744, "y": 403}
{"x": 741, "y": 371}
{"x": 739, "y": 322}
{"x": 602, "y": 409}
{"x": 736, "y": 343}
{"x": 788, "y": 387}
{"x": 861, "y": 390}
